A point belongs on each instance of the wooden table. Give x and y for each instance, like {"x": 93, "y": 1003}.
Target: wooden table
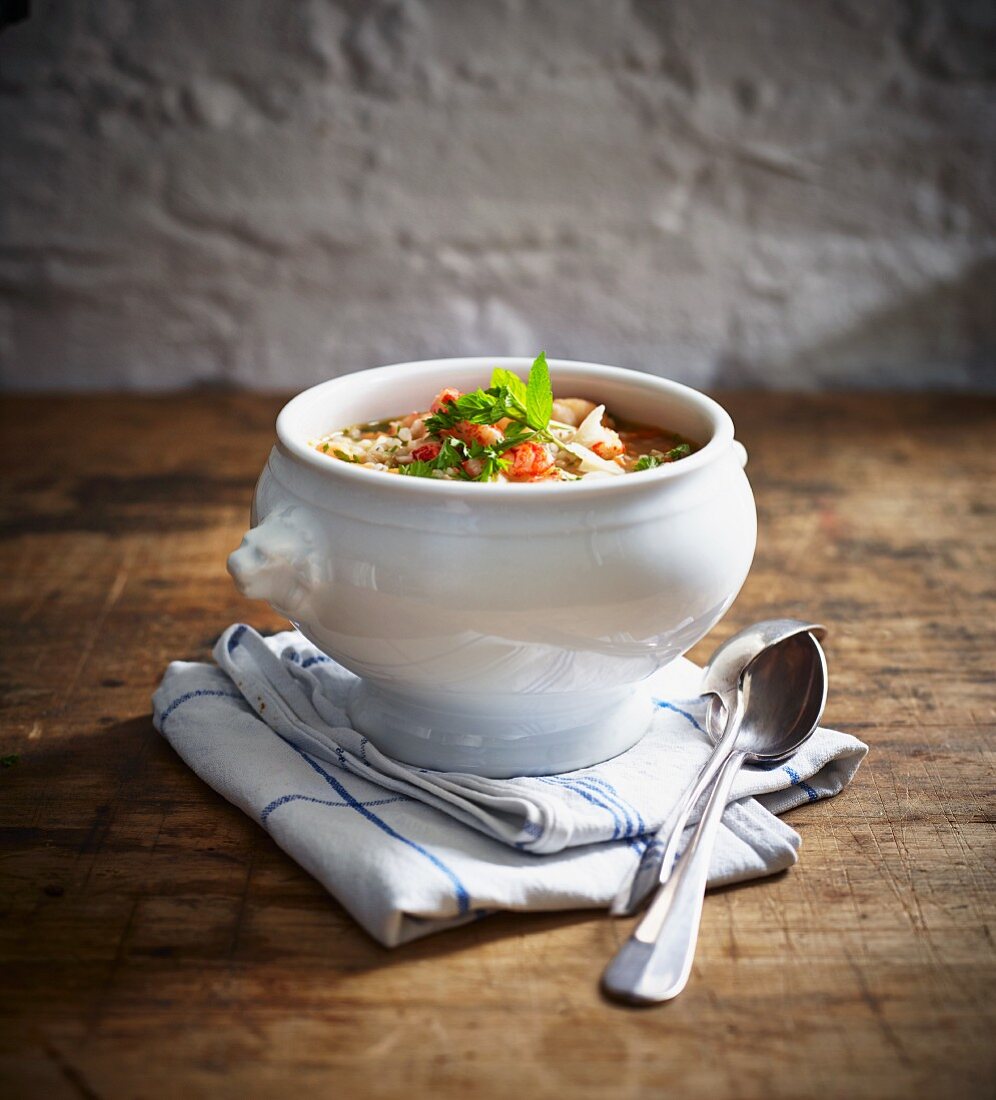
{"x": 156, "y": 943}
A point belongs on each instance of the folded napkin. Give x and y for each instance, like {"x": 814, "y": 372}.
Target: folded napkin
{"x": 410, "y": 851}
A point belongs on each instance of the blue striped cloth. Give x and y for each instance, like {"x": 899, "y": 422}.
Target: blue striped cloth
{"x": 408, "y": 851}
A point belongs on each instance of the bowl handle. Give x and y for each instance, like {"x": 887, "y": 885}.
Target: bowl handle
{"x": 278, "y": 560}
{"x": 740, "y": 453}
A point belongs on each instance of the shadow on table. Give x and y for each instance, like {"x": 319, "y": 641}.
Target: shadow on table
{"x": 205, "y": 882}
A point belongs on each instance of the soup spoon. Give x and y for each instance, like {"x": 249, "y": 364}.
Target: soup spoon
{"x": 720, "y": 680}
{"x": 782, "y": 696}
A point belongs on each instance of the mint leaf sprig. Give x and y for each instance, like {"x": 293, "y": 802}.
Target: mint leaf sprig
{"x": 508, "y": 397}
{"x": 539, "y": 395}
{"x": 513, "y": 383}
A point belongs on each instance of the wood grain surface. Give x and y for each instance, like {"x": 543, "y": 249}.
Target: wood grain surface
{"x": 154, "y": 942}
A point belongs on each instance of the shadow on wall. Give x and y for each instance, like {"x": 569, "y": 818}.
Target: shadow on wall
{"x": 948, "y": 332}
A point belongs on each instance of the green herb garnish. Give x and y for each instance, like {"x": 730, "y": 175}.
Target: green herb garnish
{"x": 492, "y": 454}
{"x": 508, "y": 397}
{"x": 347, "y": 458}
{"x": 652, "y": 461}
{"x": 491, "y": 466}
{"x": 539, "y": 395}
{"x": 512, "y": 382}
{"x": 479, "y": 407}
{"x": 325, "y": 448}
{"x": 417, "y": 469}
{"x": 451, "y": 454}
{"x": 526, "y": 404}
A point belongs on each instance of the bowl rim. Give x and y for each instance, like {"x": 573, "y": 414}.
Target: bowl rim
{"x": 718, "y": 444}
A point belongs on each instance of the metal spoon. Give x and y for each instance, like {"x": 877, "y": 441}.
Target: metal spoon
{"x": 782, "y": 696}
{"x": 720, "y": 679}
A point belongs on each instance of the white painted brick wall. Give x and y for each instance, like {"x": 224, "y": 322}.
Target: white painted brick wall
{"x": 267, "y": 193}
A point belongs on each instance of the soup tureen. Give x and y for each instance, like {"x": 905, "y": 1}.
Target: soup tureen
{"x": 499, "y": 629}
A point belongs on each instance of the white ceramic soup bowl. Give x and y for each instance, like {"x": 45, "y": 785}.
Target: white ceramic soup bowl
{"x": 499, "y": 629}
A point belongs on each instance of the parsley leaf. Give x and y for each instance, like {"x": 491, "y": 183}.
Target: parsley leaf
{"x": 479, "y": 407}
{"x": 652, "y": 461}
{"x": 417, "y": 469}
{"x": 492, "y": 467}
{"x": 539, "y": 394}
{"x": 514, "y": 435}
{"x": 452, "y": 453}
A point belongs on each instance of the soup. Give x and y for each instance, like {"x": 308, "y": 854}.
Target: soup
{"x": 513, "y": 431}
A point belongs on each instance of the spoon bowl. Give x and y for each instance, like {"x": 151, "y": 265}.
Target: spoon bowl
{"x": 784, "y": 695}
{"x": 721, "y": 676}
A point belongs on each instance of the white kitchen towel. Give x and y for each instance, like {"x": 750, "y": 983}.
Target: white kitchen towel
{"x": 409, "y": 851}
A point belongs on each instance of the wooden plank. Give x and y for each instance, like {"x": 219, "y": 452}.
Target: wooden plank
{"x": 155, "y": 942}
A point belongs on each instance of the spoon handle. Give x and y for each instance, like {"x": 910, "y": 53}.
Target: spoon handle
{"x": 654, "y": 963}
{"x": 658, "y": 860}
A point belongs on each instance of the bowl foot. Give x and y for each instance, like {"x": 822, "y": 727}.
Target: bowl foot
{"x": 500, "y": 736}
